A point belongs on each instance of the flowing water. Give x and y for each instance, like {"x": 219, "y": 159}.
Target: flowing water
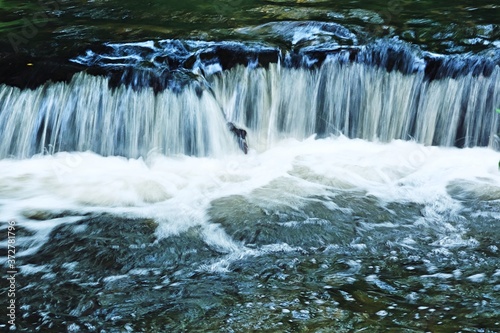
{"x": 368, "y": 200}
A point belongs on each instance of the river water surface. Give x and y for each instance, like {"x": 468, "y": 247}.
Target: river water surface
{"x": 368, "y": 200}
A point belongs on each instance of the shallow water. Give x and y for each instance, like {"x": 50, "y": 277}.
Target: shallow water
{"x": 314, "y": 235}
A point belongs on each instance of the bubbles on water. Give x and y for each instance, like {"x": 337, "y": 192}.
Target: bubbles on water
{"x": 74, "y": 328}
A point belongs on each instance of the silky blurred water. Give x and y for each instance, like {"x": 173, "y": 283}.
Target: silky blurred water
{"x": 354, "y": 210}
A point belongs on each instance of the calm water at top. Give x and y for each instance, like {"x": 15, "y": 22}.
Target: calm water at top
{"x": 57, "y": 26}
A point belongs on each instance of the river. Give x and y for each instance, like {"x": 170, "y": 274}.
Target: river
{"x": 368, "y": 200}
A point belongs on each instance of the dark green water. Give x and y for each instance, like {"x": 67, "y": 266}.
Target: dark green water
{"x": 56, "y": 26}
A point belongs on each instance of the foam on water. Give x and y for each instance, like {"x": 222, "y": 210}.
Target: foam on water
{"x": 178, "y": 191}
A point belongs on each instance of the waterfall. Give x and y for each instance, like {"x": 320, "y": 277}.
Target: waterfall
{"x": 275, "y": 102}
{"x": 361, "y": 101}
{"x": 86, "y": 115}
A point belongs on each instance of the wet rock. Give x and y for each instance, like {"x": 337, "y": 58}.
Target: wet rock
{"x": 27, "y": 72}
{"x": 314, "y": 225}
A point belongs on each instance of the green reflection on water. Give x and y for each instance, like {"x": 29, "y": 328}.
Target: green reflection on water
{"x": 435, "y": 25}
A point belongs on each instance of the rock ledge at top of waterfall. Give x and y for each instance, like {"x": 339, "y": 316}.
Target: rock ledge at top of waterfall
{"x": 173, "y": 63}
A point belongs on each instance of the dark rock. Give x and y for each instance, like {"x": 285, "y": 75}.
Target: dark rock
{"x": 240, "y": 135}
{"x": 27, "y": 72}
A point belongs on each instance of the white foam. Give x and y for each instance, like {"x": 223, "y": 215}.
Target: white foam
{"x": 177, "y": 191}
{"x": 113, "y": 278}
{"x": 442, "y": 276}
{"x": 382, "y": 313}
{"x": 29, "y": 269}
{"x": 477, "y": 278}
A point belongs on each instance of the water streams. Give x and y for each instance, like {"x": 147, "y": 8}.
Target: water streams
{"x": 368, "y": 200}
{"x": 278, "y": 102}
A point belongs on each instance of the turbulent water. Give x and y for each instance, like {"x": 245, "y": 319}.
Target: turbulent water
{"x": 325, "y": 235}
{"x": 368, "y": 200}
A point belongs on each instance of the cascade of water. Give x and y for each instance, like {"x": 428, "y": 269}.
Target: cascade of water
{"x": 355, "y": 99}
{"x": 361, "y": 101}
{"x": 87, "y": 115}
